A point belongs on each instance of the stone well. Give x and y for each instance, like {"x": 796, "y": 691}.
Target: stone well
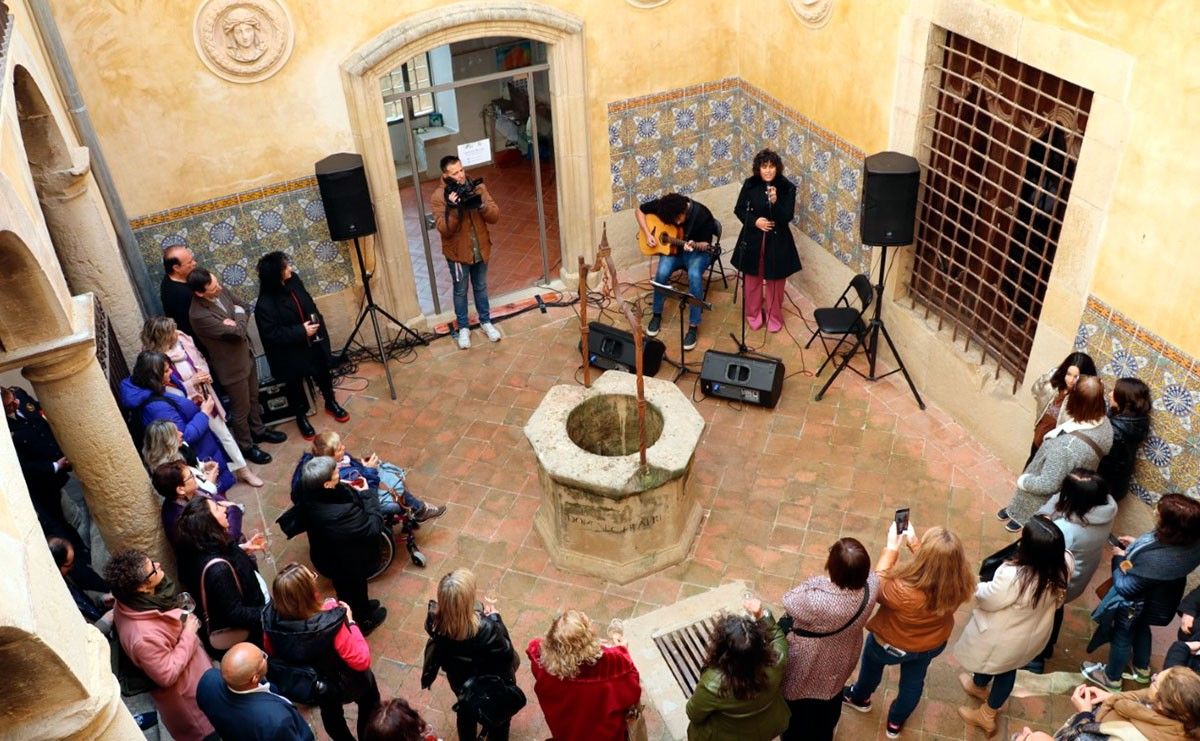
{"x": 601, "y": 514}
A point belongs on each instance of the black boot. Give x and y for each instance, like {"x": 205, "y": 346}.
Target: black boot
{"x": 306, "y": 428}
{"x": 255, "y": 454}
{"x": 333, "y": 409}
{"x": 269, "y": 436}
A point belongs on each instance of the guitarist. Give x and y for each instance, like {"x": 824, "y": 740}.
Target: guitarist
{"x": 698, "y": 226}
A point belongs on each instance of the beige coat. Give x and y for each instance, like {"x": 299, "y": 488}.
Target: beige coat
{"x": 1006, "y": 631}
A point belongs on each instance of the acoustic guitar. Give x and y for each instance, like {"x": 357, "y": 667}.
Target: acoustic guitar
{"x": 669, "y": 237}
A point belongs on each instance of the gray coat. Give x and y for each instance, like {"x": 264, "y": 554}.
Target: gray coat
{"x": 1085, "y": 542}
{"x": 1057, "y": 457}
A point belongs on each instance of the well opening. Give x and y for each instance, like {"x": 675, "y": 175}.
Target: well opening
{"x": 608, "y": 425}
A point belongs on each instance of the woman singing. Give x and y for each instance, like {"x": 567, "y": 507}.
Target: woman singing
{"x": 766, "y": 251}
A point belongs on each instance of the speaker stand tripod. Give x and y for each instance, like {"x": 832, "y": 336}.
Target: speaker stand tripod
{"x": 686, "y": 301}
{"x": 371, "y": 308}
{"x": 871, "y": 336}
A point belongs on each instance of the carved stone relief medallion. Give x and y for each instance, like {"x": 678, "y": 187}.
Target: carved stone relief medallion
{"x": 812, "y": 13}
{"x": 647, "y": 3}
{"x": 243, "y": 40}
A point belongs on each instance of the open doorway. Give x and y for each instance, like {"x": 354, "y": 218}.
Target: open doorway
{"x": 486, "y": 101}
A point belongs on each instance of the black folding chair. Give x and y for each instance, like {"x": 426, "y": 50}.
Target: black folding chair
{"x": 843, "y": 320}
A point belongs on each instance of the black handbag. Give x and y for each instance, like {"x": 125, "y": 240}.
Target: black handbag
{"x": 300, "y": 684}
{"x": 492, "y": 699}
{"x": 987, "y": 569}
{"x": 787, "y": 622}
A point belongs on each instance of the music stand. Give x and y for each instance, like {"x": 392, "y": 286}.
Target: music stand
{"x": 370, "y": 307}
{"x": 686, "y": 300}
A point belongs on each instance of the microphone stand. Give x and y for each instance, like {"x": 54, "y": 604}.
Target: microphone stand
{"x": 742, "y": 347}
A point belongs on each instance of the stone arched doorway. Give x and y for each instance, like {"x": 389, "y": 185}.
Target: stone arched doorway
{"x": 361, "y": 73}
{"x": 75, "y": 218}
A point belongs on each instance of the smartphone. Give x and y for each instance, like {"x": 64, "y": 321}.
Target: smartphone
{"x": 901, "y": 520}
{"x": 1114, "y": 541}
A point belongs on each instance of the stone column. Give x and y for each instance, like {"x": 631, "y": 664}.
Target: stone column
{"x": 91, "y": 431}
{"x": 87, "y": 250}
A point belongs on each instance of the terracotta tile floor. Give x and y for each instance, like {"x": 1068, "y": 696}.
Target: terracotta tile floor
{"x": 516, "y": 260}
{"x": 778, "y": 486}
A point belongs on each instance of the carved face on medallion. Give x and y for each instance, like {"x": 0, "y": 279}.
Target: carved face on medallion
{"x": 243, "y": 40}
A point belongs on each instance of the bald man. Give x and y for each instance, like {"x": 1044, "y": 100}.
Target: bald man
{"x": 178, "y": 264}
{"x": 240, "y": 703}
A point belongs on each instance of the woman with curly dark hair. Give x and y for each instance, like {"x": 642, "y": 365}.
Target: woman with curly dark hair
{"x": 766, "y": 250}
{"x": 160, "y": 639}
{"x": 222, "y": 577}
{"x": 1050, "y": 391}
{"x": 738, "y": 695}
{"x": 294, "y": 337}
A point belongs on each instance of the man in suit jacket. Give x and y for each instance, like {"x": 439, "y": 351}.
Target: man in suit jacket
{"x": 240, "y": 703}
{"x": 221, "y": 321}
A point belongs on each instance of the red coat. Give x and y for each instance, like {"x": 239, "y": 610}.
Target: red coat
{"x": 174, "y": 659}
{"x": 592, "y": 705}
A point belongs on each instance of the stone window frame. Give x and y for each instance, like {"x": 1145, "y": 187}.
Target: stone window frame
{"x": 1104, "y": 70}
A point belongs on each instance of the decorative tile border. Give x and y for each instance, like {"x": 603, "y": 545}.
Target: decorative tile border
{"x": 704, "y": 136}
{"x": 228, "y": 234}
{"x": 1168, "y": 461}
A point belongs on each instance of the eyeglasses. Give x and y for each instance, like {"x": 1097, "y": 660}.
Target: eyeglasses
{"x": 155, "y": 568}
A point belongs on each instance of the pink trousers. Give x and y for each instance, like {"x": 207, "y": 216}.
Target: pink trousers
{"x": 754, "y": 302}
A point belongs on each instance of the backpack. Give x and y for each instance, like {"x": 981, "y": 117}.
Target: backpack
{"x": 492, "y": 699}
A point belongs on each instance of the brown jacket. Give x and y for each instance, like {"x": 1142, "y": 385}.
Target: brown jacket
{"x": 230, "y": 355}
{"x": 456, "y": 231}
{"x": 903, "y": 621}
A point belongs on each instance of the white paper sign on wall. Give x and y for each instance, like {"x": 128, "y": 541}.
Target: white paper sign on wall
{"x": 474, "y": 153}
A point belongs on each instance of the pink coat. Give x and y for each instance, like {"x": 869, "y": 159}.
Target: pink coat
{"x": 187, "y": 360}
{"x": 174, "y": 659}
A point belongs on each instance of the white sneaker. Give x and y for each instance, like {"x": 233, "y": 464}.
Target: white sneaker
{"x": 464, "y": 339}
{"x": 490, "y": 330}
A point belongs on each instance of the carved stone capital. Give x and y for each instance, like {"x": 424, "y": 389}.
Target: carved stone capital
{"x": 243, "y": 40}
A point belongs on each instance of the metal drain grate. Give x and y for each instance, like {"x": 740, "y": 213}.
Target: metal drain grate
{"x": 685, "y": 649}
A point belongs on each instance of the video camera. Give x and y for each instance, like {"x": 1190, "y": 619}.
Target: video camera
{"x": 468, "y": 197}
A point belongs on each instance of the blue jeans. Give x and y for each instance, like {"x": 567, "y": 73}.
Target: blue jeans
{"x": 1002, "y": 686}
{"x": 460, "y": 273}
{"x": 1131, "y": 642}
{"x": 913, "y": 667}
{"x": 696, "y": 263}
{"x": 393, "y": 476}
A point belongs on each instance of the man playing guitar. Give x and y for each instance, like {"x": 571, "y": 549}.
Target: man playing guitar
{"x": 695, "y": 226}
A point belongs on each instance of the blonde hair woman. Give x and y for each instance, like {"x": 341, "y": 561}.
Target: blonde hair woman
{"x": 1168, "y": 709}
{"x": 584, "y": 687}
{"x": 160, "y": 334}
{"x": 466, "y": 642}
{"x": 163, "y": 443}
{"x": 917, "y": 601}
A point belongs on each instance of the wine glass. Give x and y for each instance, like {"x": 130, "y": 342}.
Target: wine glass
{"x": 187, "y": 604}
{"x": 616, "y": 627}
{"x": 491, "y": 595}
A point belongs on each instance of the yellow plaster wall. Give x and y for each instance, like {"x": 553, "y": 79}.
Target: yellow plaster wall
{"x": 842, "y": 77}
{"x": 177, "y": 134}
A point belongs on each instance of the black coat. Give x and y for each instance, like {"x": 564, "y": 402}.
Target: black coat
{"x": 309, "y": 643}
{"x": 37, "y": 450}
{"x": 343, "y": 530}
{"x": 489, "y": 651}
{"x": 280, "y": 316}
{"x": 1117, "y": 467}
{"x": 782, "y": 259}
{"x": 228, "y": 606}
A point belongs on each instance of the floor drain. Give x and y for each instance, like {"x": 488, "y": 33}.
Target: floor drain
{"x": 684, "y": 650}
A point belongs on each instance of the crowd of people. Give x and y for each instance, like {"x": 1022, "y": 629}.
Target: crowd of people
{"x": 192, "y": 401}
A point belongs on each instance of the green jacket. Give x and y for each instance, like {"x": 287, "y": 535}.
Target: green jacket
{"x": 759, "y": 718}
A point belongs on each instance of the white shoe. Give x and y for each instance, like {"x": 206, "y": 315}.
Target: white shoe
{"x": 247, "y": 476}
{"x": 490, "y": 330}
{"x": 464, "y": 339}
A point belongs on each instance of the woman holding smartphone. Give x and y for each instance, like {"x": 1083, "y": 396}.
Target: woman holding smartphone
{"x": 917, "y": 601}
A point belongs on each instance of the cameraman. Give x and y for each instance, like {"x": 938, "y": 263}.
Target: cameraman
{"x": 462, "y": 211}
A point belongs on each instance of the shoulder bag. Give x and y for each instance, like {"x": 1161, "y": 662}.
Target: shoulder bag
{"x": 987, "y": 569}
{"x": 786, "y": 623}
{"x": 222, "y": 639}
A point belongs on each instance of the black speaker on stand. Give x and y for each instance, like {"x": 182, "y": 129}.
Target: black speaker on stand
{"x": 342, "y": 180}
{"x": 889, "y": 212}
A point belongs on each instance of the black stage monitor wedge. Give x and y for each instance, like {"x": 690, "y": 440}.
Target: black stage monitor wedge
{"x": 755, "y": 380}
{"x": 342, "y": 181}
{"x": 610, "y": 348}
{"x": 889, "y": 205}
